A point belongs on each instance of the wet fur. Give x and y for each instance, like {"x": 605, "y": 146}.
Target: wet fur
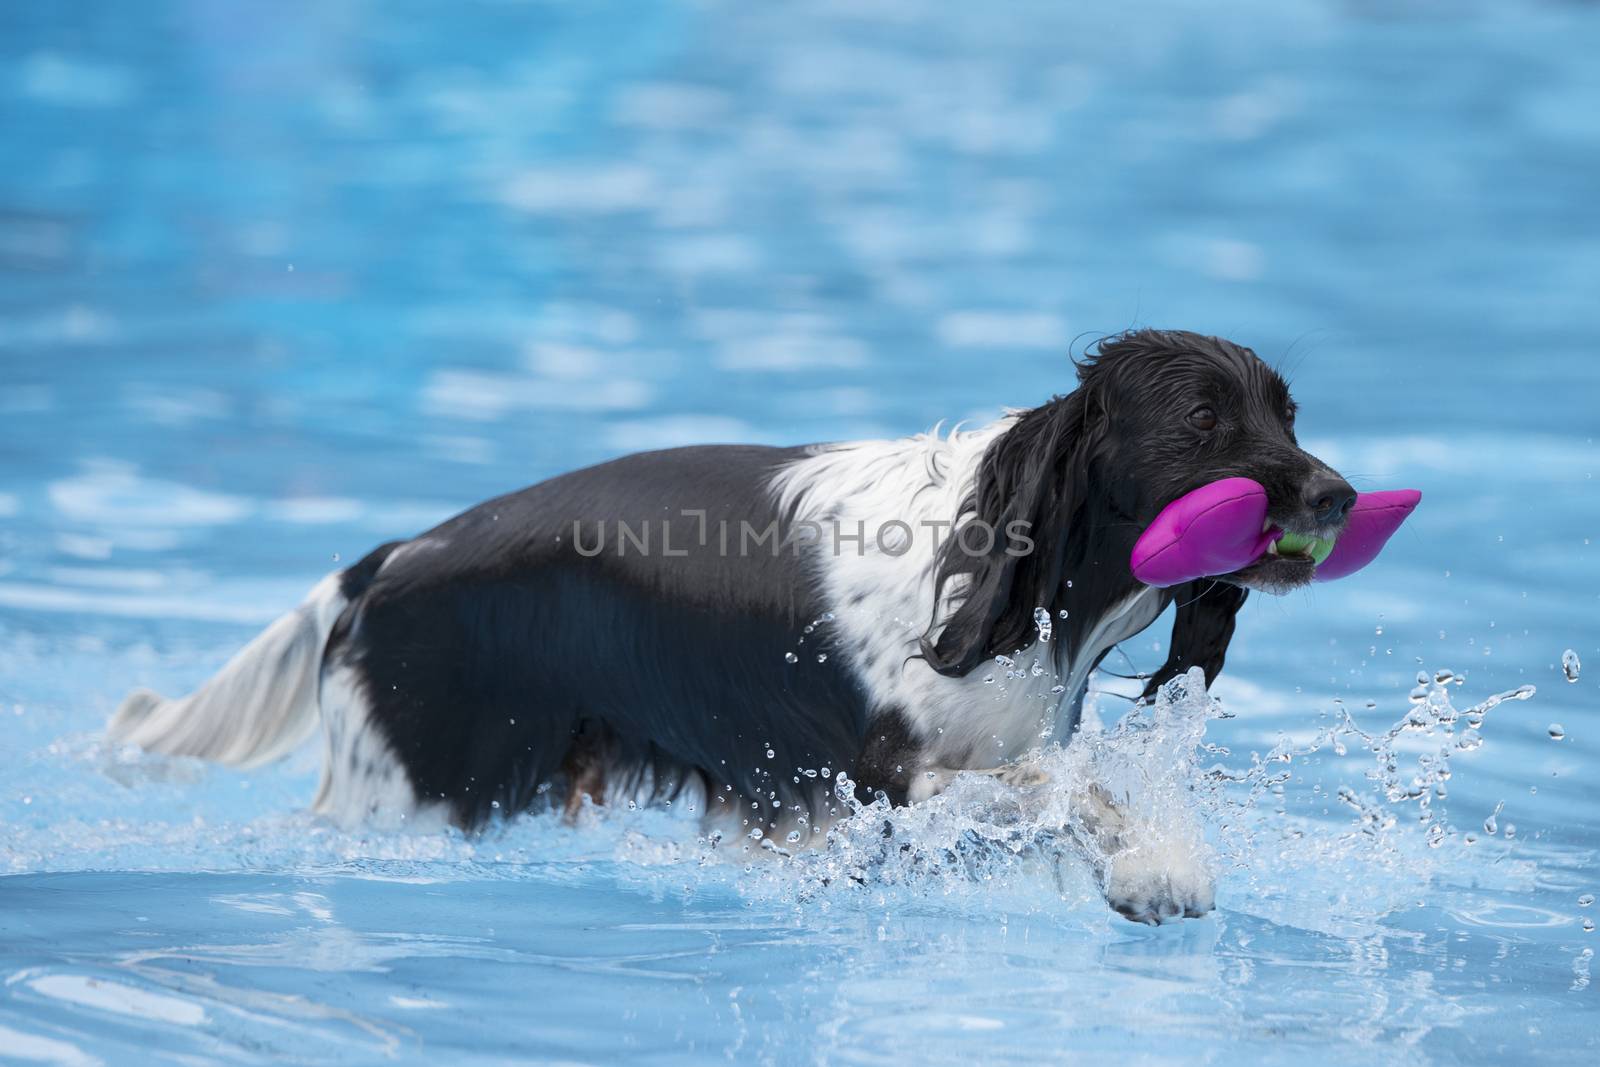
{"x": 489, "y": 664}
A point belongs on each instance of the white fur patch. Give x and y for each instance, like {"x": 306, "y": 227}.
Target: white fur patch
{"x": 994, "y": 714}
{"x": 362, "y": 781}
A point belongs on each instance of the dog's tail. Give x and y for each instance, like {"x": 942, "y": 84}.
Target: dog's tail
{"x": 256, "y": 709}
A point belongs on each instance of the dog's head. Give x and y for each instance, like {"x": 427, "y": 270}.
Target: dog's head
{"x": 1180, "y": 411}
{"x": 1156, "y": 414}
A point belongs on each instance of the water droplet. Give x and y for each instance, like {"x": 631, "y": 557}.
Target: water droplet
{"x": 1037, "y": 669}
{"x": 770, "y": 753}
{"x": 1588, "y": 926}
{"x": 1057, "y": 690}
{"x": 987, "y": 679}
{"x": 822, "y": 657}
{"x": 1585, "y": 900}
{"x": 1557, "y": 731}
{"x": 826, "y": 773}
{"x": 1041, "y": 622}
{"x": 1004, "y": 662}
{"x": 793, "y": 837}
{"x": 790, "y": 657}
{"x": 1570, "y": 665}
{"x": 1063, "y": 612}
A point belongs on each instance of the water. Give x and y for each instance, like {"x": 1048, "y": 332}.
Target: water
{"x": 281, "y": 281}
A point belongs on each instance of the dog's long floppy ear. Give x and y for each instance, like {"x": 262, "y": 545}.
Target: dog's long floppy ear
{"x": 1206, "y": 612}
{"x": 1034, "y": 475}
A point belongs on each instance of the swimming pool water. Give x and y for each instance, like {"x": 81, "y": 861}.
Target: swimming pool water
{"x": 279, "y": 281}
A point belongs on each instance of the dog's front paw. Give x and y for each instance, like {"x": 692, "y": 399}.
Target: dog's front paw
{"x": 1159, "y": 882}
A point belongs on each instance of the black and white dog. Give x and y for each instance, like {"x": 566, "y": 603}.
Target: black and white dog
{"x": 729, "y": 617}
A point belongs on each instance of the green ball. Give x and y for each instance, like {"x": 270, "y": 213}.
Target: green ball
{"x": 1293, "y": 544}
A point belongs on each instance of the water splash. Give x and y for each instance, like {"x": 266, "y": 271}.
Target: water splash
{"x": 1025, "y": 827}
{"x": 1020, "y": 830}
{"x": 1004, "y": 829}
{"x": 1041, "y": 621}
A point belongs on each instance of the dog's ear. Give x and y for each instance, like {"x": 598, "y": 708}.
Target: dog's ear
{"x": 1200, "y": 634}
{"x": 1034, "y": 479}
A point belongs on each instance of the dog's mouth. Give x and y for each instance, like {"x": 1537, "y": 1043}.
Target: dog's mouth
{"x": 1291, "y": 560}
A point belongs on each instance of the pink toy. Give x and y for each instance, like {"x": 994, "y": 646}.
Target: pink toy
{"x": 1214, "y": 530}
{"x": 1221, "y": 527}
{"x": 1373, "y": 520}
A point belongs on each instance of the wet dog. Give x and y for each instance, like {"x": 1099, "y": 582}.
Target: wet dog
{"x": 751, "y": 622}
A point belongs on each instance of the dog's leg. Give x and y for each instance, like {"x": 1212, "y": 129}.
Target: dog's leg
{"x": 585, "y": 768}
{"x": 1149, "y": 873}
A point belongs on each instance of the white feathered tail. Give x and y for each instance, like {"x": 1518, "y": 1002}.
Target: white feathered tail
{"x": 259, "y": 707}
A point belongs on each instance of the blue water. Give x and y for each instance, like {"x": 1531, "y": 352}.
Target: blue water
{"x": 281, "y": 280}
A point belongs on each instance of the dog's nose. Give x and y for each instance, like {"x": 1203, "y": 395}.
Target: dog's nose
{"x": 1329, "y": 498}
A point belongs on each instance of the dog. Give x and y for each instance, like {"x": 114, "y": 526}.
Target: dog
{"x": 753, "y": 621}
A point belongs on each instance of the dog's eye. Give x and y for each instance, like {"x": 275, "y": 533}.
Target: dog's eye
{"x": 1203, "y": 418}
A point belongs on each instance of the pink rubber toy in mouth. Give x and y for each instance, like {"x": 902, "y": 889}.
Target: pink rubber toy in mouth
{"x": 1221, "y": 528}
{"x": 1373, "y": 521}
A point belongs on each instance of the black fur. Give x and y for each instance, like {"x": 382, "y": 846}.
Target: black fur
{"x": 888, "y": 759}
{"x": 1206, "y": 613}
{"x": 1036, "y": 473}
{"x": 484, "y": 660}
